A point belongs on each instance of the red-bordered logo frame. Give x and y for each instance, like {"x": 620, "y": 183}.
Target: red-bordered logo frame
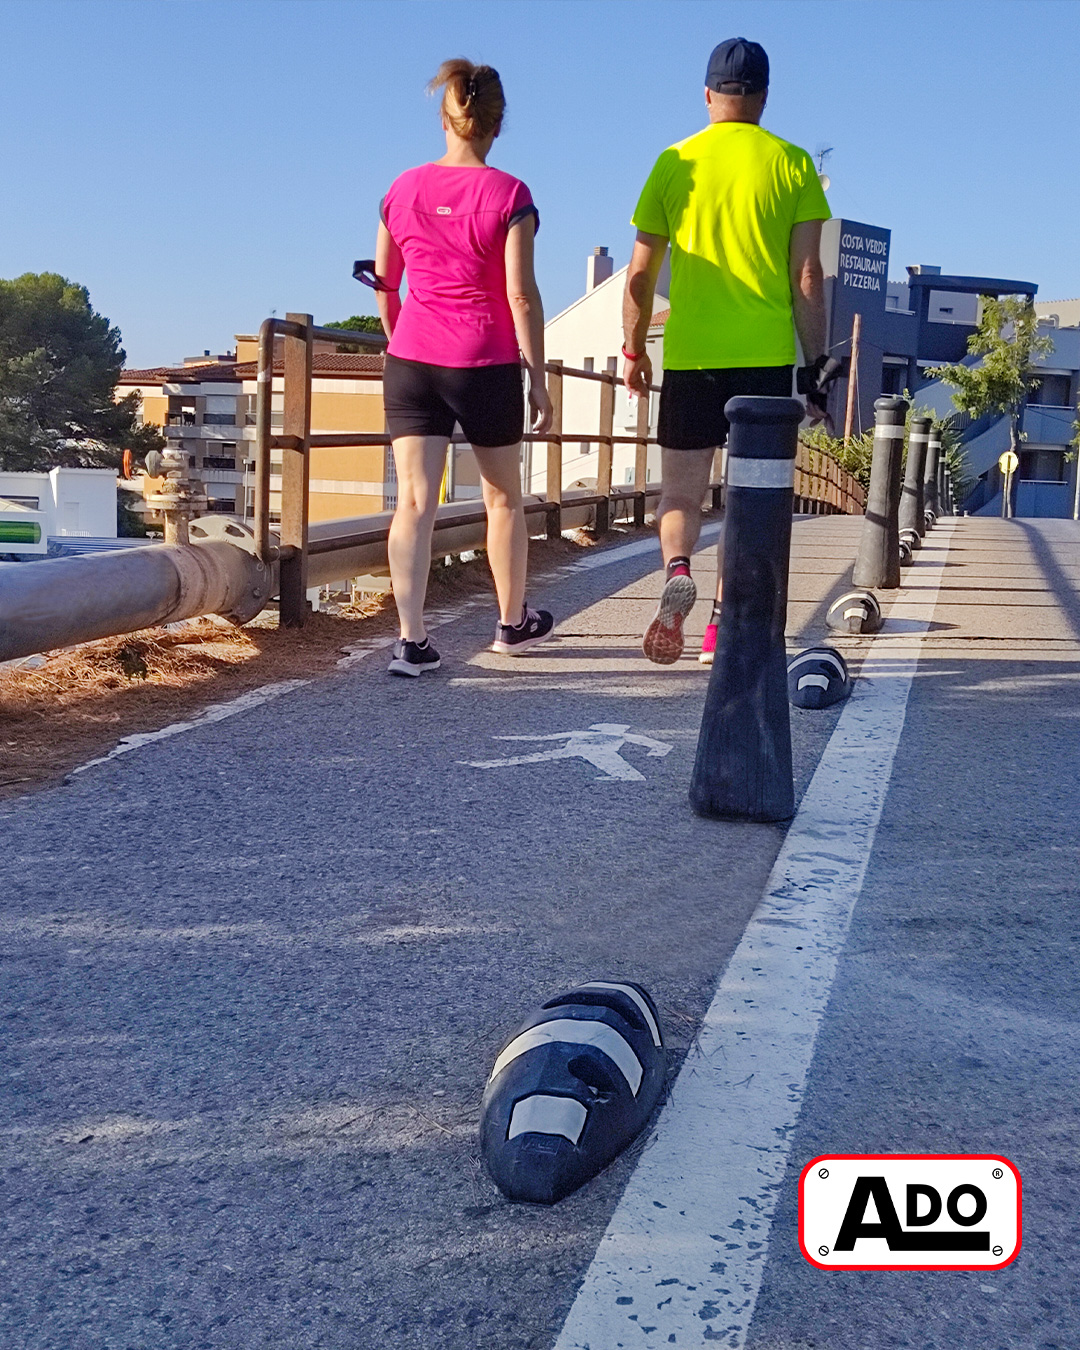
{"x": 913, "y": 1157}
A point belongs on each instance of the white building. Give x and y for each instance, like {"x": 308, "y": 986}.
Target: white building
{"x": 64, "y": 503}
{"x": 588, "y": 335}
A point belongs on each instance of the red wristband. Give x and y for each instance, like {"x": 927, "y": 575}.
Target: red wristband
{"x": 630, "y": 355}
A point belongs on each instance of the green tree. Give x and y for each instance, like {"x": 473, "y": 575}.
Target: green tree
{"x": 854, "y": 456}
{"x": 1007, "y": 338}
{"x": 59, "y": 364}
{"x": 357, "y": 323}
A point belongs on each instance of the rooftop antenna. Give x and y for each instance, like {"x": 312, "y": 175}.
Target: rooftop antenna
{"x": 821, "y": 154}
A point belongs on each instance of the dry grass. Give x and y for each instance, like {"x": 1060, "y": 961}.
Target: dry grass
{"x": 84, "y": 699}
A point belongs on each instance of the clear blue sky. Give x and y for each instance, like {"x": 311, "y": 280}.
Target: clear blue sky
{"x": 200, "y": 163}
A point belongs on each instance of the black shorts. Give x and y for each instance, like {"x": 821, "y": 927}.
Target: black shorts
{"x": 692, "y": 402}
{"x": 424, "y": 400}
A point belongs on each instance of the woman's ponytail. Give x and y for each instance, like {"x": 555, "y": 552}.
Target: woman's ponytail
{"x": 473, "y": 102}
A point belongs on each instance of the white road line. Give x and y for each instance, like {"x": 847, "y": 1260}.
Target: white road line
{"x": 604, "y": 557}
{"x": 216, "y": 712}
{"x": 682, "y": 1259}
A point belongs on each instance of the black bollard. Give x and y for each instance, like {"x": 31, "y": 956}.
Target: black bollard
{"x": 931, "y": 501}
{"x": 942, "y": 489}
{"x": 743, "y": 765}
{"x": 912, "y": 509}
{"x": 878, "y": 563}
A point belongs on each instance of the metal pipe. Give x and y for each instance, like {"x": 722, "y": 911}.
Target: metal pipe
{"x": 61, "y": 601}
{"x": 263, "y": 402}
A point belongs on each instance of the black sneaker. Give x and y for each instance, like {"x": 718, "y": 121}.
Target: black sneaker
{"x": 511, "y": 640}
{"x": 410, "y": 658}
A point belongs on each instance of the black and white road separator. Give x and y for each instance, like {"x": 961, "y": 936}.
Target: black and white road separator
{"x": 570, "y": 1089}
{"x": 854, "y": 612}
{"x": 818, "y": 678}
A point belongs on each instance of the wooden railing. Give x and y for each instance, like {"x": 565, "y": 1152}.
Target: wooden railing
{"x": 821, "y": 486}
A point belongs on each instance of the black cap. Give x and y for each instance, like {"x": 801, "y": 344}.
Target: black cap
{"x": 738, "y": 66}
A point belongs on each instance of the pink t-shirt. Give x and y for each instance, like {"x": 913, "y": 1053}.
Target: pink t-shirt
{"x": 451, "y": 226}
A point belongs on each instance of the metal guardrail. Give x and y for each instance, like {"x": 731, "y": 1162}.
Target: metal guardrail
{"x": 821, "y": 485}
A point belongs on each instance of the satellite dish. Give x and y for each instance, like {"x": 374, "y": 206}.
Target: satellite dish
{"x": 826, "y": 181}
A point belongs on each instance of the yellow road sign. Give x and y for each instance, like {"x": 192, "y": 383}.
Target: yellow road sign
{"x": 1008, "y": 462}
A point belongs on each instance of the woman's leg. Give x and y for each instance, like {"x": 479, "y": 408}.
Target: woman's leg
{"x": 419, "y": 461}
{"x": 507, "y": 537}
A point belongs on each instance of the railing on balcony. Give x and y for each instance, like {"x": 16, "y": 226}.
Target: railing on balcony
{"x": 821, "y": 486}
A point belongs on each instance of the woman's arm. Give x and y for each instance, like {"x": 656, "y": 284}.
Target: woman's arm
{"x": 389, "y": 268}
{"x": 528, "y": 310}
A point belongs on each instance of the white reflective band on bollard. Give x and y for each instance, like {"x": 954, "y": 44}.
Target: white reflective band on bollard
{"x": 889, "y": 433}
{"x": 760, "y": 473}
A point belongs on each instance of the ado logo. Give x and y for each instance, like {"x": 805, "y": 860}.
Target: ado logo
{"x": 909, "y": 1211}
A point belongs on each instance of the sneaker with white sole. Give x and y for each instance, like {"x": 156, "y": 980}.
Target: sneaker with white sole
{"x": 708, "y": 645}
{"x": 536, "y": 626}
{"x": 663, "y": 641}
{"x": 412, "y": 658}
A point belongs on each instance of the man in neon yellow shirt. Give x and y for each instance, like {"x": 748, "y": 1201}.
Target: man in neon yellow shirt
{"x": 742, "y": 211}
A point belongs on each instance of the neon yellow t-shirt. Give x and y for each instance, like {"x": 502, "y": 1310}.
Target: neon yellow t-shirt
{"x": 727, "y": 199}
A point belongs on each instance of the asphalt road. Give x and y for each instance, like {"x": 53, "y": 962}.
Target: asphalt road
{"x": 254, "y": 977}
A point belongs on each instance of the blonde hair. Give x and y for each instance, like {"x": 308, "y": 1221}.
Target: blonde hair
{"x": 473, "y": 102}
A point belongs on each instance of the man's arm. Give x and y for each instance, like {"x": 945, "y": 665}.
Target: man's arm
{"x": 807, "y": 288}
{"x": 645, "y": 263}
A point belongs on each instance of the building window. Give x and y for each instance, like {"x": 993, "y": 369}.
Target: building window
{"x": 219, "y": 419}
{"x": 1042, "y": 466}
{"x": 1052, "y": 391}
{"x": 893, "y": 379}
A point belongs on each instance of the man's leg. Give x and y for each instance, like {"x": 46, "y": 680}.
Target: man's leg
{"x": 685, "y": 481}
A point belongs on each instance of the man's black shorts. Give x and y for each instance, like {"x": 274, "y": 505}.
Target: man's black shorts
{"x": 692, "y": 402}
{"x": 425, "y": 400}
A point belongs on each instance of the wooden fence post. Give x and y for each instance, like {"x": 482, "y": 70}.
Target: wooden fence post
{"x": 606, "y": 453}
{"x": 553, "y": 481}
{"x": 296, "y": 422}
{"x": 641, "y": 458}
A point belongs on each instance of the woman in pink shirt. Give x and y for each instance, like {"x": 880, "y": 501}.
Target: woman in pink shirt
{"x": 463, "y": 234}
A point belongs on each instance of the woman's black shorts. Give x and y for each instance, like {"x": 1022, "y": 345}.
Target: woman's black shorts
{"x": 424, "y": 400}
{"x": 692, "y": 402}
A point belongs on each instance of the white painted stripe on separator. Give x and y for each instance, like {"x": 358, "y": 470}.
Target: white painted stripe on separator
{"x": 760, "y": 473}
{"x": 889, "y": 433}
{"x": 632, "y": 994}
{"x": 544, "y": 1114}
{"x": 686, "y": 1247}
{"x": 574, "y": 1031}
{"x": 818, "y": 681}
{"x": 827, "y": 657}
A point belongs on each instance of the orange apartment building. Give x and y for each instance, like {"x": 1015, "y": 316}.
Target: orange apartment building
{"x": 207, "y": 407}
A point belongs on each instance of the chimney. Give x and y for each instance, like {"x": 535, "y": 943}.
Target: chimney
{"x": 598, "y": 268}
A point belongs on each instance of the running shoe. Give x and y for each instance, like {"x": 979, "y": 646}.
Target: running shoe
{"x": 411, "y": 658}
{"x": 708, "y": 645}
{"x": 663, "y": 641}
{"x": 536, "y": 626}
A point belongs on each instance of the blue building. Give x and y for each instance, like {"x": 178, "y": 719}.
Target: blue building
{"x": 907, "y": 327}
